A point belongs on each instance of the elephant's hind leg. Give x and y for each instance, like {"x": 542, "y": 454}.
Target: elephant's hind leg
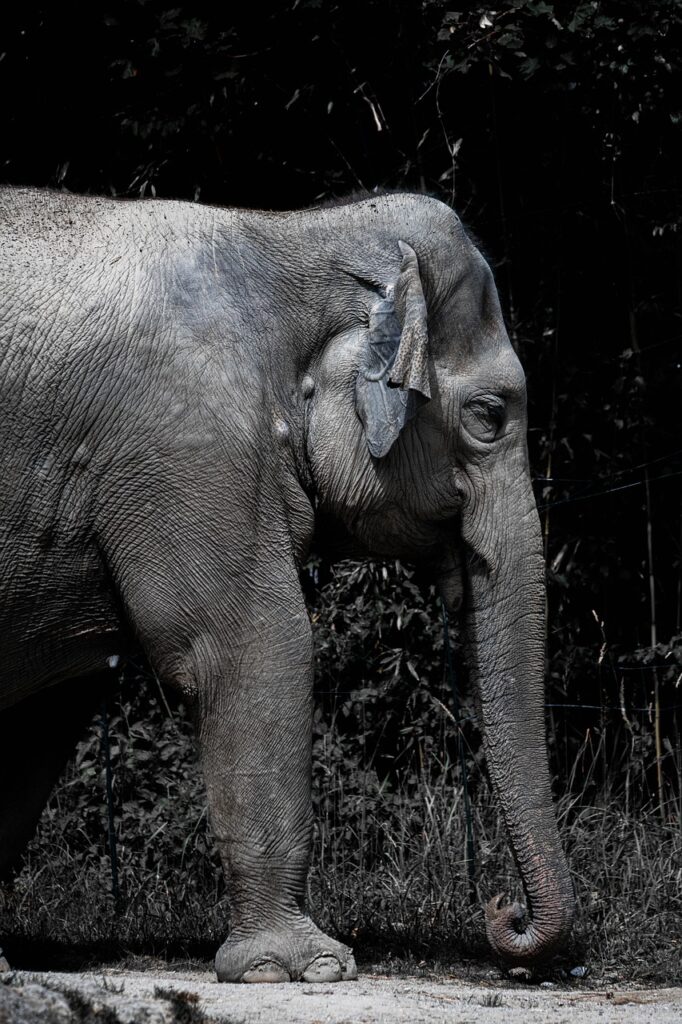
{"x": 37, "y": 737}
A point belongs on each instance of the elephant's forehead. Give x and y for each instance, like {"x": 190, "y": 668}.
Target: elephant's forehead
{"x": 495, "y": 368}
{"x": 465, "y": 297}
{"x": 469, "y": 329}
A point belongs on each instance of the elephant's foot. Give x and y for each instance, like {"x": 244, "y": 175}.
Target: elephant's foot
{"x": 298, "y": 953}
{"x": 4, "y": 966}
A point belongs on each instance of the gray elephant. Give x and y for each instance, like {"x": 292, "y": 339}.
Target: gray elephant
{"x": 185, "y": 391}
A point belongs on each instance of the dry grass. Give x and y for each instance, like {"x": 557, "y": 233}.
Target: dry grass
{"x": 388, "y": 874}
{"x": 414, "y": 898}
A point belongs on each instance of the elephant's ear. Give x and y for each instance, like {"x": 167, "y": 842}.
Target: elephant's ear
{"x": 394, "y": 376}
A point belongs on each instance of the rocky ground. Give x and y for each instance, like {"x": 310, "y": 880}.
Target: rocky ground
{"x": 118, "y": 996}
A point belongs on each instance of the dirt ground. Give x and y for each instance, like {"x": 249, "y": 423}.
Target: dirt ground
{"x": 116, "y": 996}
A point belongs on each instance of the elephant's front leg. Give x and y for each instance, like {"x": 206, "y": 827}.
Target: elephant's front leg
{"x": 255, "y": 724}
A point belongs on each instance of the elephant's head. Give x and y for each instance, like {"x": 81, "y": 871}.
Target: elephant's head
{"x": 416, "y": 440}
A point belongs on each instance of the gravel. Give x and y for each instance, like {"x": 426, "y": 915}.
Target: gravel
{"x": 116, "y": 996}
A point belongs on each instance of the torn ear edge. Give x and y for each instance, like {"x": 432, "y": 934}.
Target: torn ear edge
{"x": 393, "y": 380}
{"x": 410, "y": 370}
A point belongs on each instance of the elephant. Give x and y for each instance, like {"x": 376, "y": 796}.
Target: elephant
{"x": 188, "y": 392}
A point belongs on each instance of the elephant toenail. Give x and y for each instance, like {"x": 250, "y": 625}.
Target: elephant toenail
{"x": 350, "y": 970}
{"x": 324, "y": 967}
{"x": 266, "y": 971}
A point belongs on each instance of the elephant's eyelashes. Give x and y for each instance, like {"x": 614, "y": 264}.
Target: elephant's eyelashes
{"x": 484, "y": 417}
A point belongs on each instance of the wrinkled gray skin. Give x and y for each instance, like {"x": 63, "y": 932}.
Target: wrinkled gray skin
{"x": 184, "y": 391}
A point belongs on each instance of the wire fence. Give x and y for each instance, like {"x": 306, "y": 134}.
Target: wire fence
{"x": 601, "y": 493}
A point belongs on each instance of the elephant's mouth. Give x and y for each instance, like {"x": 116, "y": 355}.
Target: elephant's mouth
{"x": 334, "y": 542}
{"x": 449, "y": 579}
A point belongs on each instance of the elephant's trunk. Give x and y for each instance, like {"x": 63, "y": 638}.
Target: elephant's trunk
{"x": 505, "y": 634}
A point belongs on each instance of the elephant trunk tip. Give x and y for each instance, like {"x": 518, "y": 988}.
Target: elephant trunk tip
{"x": 522, "y": 941}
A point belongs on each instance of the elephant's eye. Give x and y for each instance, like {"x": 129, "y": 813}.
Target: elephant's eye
{"x": 484, "y": 417}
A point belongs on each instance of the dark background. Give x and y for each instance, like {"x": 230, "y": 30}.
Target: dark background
{"x": 554, "y": 130}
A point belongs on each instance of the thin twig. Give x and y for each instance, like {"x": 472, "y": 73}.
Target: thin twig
{"x": 654, "y": 641}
